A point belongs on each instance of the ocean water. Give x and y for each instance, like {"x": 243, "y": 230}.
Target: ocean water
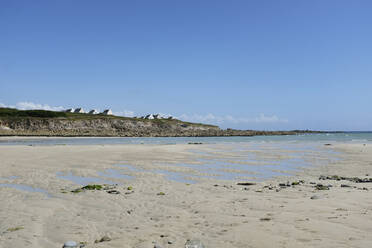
{"x": 324, "y": 137}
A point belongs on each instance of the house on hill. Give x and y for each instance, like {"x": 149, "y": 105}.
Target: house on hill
{"x": 69, "y": 110}
{"x": 93, "y": 112}
{"x": 79, "y": 110}
{"x": 107, "y": 112}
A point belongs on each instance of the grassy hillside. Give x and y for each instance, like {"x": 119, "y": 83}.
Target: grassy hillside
{"x": 10, "y": 113}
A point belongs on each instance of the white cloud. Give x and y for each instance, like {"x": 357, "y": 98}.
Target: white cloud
{"x": 210, "y": 118}
{"x": 31, "y": 105}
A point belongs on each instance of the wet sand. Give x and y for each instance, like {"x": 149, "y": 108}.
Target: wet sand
{"x": 198, "y": 203}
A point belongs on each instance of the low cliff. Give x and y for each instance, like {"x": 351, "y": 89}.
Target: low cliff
{"x": 49, "y": 123}
{"x": 96, "y": 125}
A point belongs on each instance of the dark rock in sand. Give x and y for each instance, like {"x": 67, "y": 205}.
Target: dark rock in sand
{"x": 321, "y": 187}
{"x": 103, "y": 239}
{"x": 265, "y": 219}
{"x": 246, "y": 184}
{"x": 113, "y": 191}
{"x": 314, "y": 197}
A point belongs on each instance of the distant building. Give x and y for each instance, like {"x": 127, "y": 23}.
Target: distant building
{"x": 69, "y": 110}
{"x": 79, "y": 110}
{"x": 93, "y": 112}
{"x": 156, "y": 116}
{"x": 107, "y": 112}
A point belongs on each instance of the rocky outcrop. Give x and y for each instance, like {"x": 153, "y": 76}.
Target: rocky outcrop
{"x": 120, "y": 127}
{"x": 102, "y": 127}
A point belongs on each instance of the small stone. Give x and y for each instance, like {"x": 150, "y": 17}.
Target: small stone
{"x": 314, "y": 197}
{"x": 246, "y": 184}
{"x": 345, "y": 186}
{"x": 157, "y": 246}
{"x": 103, "y": 239}
{"x": 170, "y": 242}
{"x": 265, "y": 219}
{"x": 70, "y": 244}
{"x": 194, "y": 244}
{"x": 321, "y": 187}
{"x": 115, "y": 192}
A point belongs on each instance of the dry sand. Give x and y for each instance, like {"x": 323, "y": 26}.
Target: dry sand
{"x": 226, "y": 215}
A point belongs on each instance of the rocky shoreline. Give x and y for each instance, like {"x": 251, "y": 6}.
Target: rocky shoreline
{"x": 119, "y": 127}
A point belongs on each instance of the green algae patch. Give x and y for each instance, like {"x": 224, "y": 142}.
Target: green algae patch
{"x": 92, "y": 187}
{"x": 88, "y": 187}
{"x": 14, "y": 229}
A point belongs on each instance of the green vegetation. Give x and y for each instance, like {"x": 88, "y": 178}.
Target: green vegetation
{"x": 92, "y": 187}
{"x": 161, "y": 193}
{"x": 13, "y": 229}
{"x": 88, "y": 187}
{"x": 9, "y": 112}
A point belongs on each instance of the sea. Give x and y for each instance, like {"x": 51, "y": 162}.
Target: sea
{"x": 356, "y": 137}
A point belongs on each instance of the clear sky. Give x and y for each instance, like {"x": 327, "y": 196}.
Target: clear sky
{"x": 243, "y": 64}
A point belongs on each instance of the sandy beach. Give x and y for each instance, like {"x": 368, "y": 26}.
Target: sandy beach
{"x": 157, "y": 206}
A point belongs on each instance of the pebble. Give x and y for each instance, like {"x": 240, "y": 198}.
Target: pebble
{"x": 115, "y": 192}
{"x": 345, "y": 186}
{"x": 70, "y": 244}
{"x": 103, "y": 239}
{"x": 314, "y": 197}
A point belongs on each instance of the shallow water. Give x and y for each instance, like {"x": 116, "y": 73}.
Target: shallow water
{"x": 324, "y": 137}
{"x": 25, "y": 188}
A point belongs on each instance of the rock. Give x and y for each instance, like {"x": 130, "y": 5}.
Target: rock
{"x": 314, "y": 197}
{"x": 345, "y": 186}
{"x": 115, "y": 192}
{"x": 170, "y": 242}
{"x": 265, "y": 219}
{"x": 194, "y": 244}
{"x": 103, "y": 239}
{"x": 157, "y": 246}
{"x": 327, "y": 144}
{"x": 246, "y": 184}
{"x": 70, "y": 244}
{"x": 321, "y": 187}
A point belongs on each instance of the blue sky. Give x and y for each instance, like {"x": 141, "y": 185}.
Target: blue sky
{"x": 242, "y": 64}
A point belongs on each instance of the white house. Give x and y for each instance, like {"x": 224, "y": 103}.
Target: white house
{"x": 79, "y": 110}
{"x": 69, "y": 110}
{"x": 107, "y": 112}
{"x": 93, "y": 112}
